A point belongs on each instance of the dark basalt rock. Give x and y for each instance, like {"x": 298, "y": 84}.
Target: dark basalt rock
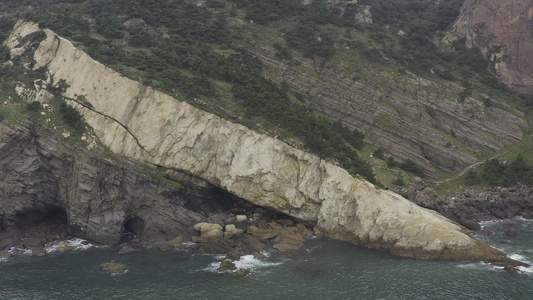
{"x": 52, "y": 188}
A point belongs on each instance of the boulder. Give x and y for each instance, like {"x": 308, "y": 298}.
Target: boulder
{"x": 287, "y": 238}
{"x": 205, "y": 227}
{"x": 231, "y": 231}
{"x": 512, "y": 211}
{"x": 241, "y": 273}
{"x": 213, "y": 234}
{"x": 176, "y": 241}
{"x": 114, "y": 268}
{"x": 265, "y": 234}
{"x": 226, "y": 265}
{"x": 304, "y": 230}
{"x": 38, "y": 251}
{"x": 242, "y": 218}
{"x": 4, "y": 255}
{"x": 471, "y": 224}
{"x": 64, "y": 246}
{"x": 510, "y": 269}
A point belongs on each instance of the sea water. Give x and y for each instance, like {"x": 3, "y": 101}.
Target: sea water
{"x": 325, "y": 269}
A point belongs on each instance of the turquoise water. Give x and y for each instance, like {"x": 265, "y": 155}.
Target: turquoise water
{"x": 337, "y": 270}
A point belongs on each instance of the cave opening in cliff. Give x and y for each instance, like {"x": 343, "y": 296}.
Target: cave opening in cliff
{"x": 133, "y": 227}
{"x": 50, "y": 222}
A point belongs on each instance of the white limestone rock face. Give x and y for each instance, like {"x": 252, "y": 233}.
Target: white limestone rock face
{"x": 149, "y": 126}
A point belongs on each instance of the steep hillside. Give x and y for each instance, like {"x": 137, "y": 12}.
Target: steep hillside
{"x": 323, "y": 76}
{"x": 370, "y": 71}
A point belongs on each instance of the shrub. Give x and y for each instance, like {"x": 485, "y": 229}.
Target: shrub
{"x": 412, "y": 167}
{"x": 34, "y": 106}
{"x": 399, "y": 181}
{"x": 392, "y": 163}
{"x": 72, "y": 117}
{"x": 378, "y": 153}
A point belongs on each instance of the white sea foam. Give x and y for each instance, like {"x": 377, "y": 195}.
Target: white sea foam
{"x": 18, "y": 251}
{"x": 73, "y": 244}
{"x": 490, "y": 223}
{"x": 245, "y": 262}
{"x": 252, "y": 263}
{"x": 480, "y": 265}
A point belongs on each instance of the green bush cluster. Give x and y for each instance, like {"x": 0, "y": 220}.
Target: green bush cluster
{"x": 410, "y": 166}
{"x": 496, "y": 172}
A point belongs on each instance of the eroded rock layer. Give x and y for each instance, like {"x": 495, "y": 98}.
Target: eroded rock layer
{"x": 143, "y": 124}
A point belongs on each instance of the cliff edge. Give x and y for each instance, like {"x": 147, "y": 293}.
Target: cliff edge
{"x": 151, "y": 127}
{"x": 502, "y": 29}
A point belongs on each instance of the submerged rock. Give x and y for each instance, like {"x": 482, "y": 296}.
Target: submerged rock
{"x": 114, "y": 268}
{"x": 38, "y": 251}
{"x": 64, "y": 246}
{"x": 510, "y": 269}
{"x": 241, "y": 273}
{"x": 227, "y": 265}
{"x": 511, "y": 232}
{"x": 165, "y": 247}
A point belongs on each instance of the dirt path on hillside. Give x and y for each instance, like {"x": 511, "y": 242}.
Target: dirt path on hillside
{"x": 470, "y": 167}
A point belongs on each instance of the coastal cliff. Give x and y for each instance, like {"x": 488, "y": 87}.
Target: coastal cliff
{"x": 150, "y": 127}
{"x": 41, "y": 172}
{"x": 502, "y": 29}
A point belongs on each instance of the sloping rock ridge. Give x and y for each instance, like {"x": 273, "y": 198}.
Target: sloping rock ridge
{"x": 143, "y": 124}
{"x": 506, "y": 23}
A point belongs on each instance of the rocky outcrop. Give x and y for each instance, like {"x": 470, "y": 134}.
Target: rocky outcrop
{"x": 506, "y": 23}
{"x": 114, "y": 268}
{"x": 143, "y": 124}
{"x": 470, "y": 206}
{"x": 494, "y": 203}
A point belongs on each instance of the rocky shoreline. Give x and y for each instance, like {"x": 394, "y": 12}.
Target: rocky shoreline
{"x": 245, "y": 229}
{"x": 469, "y": 207}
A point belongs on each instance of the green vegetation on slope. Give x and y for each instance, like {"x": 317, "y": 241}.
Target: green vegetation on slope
{"x": 201, "y": 54}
